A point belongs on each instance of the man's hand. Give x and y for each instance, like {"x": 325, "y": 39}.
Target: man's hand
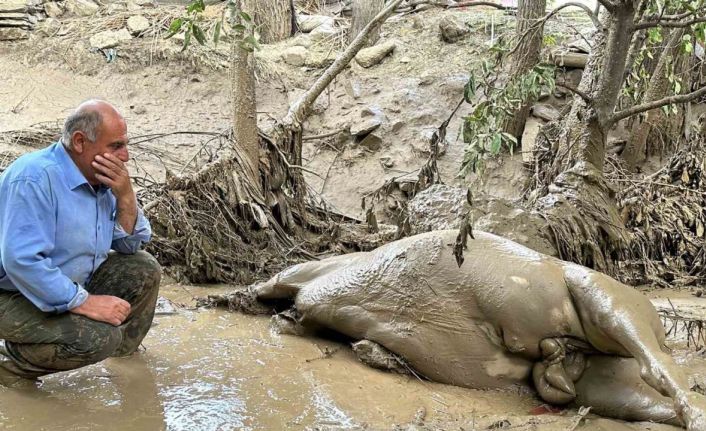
{"x": 104, "y": 308}
{"x": 112, "y": 172}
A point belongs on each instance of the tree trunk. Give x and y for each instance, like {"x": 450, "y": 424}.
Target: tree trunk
{"x": 578, "y": 204}
{"x": 363, "y": 12}
{"x": 273, "y": 18}
{"x": 526, "y": 55}
{"x": 657, "y": 126}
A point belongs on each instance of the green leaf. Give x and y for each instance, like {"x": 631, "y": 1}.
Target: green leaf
{"x": 217, "y": 33}
{"x": 199, "y": 34}
{"x": 496, "y": 144}
{"x": 239, "y": 27}
{"x": 245, "y": 17}
{"x": 174, "y": 27}
{"x": 469, "y": 90}
{"x": 187, "y": 39}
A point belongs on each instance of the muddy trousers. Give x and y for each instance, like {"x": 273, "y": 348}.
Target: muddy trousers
{"x": 38, "y": 343}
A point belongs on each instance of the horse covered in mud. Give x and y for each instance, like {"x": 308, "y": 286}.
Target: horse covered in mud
{"x": 506, "y": 316}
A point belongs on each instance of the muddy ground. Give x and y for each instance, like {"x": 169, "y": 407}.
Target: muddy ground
{"x": 212, "y": 370}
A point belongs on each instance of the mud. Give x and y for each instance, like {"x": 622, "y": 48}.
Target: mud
{"x": 212, "y": 370}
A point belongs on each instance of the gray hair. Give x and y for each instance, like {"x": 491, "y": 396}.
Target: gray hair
{"x": 84, "y": 120}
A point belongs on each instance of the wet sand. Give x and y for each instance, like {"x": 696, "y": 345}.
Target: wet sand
{"x": 212, "y": 370}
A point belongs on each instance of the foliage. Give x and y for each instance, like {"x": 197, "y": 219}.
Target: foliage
{"x": 482, "y": 130}
{"x": 191, "y": 24}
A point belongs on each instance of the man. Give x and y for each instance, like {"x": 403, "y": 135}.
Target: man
{"x": 65, "y": 301}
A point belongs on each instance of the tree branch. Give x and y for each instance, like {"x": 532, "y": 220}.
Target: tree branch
{"x": 670, "y": 24}
{"x": 588, "y": 11}
{"x": 644, "y": 107}
{"x": 609, "y": 5}
{"x": 583, "y": 95}
{"x": 480, "y": 3}
{"x": 300, "y": 108}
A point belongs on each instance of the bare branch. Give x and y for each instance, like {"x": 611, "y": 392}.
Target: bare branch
{"x": 670, "y": 24}
{"x": 644, "y": 107}
{"x": 480, "y": 3}
{"x": 299, "y": 109}
{"x": 588, "y": 11}
{"x": 583, "y": 95}
{"x": 609, "y": 5}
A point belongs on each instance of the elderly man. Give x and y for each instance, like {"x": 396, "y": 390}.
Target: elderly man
{"x": 66, "y": 301}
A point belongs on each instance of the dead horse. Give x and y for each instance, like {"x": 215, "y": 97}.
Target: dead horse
{"x": 507, "y": 314}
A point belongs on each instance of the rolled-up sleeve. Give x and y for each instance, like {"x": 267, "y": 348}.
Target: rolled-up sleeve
{"x": 130, "y": 244}
{"x": 28, "y": 230}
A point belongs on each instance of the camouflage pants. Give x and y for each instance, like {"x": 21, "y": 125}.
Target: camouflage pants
{"x": 38, "y": 343}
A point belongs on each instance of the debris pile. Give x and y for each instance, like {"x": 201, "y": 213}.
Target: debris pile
{"x": 18, "y": 18}
{"x": 666, "y": 213}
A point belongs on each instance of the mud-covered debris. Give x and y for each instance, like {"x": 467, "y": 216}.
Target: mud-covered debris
{"x": 109, "y": 38}
{"x": 307, "y": 23}
{"x": 369, "y": 57}
{"x": 81, "y": 7}
{"x": 295, "y": 55}
{"x": 164, "y": 307}
{"x": 376, "y": 356}
{"x": 452, "y": 30}
{"x": 137, "y": 24}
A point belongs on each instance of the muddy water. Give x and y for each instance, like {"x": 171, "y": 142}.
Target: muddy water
{"x": 212, "y": 370}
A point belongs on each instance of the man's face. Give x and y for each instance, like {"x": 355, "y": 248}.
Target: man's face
{"x": 111, "y": 138}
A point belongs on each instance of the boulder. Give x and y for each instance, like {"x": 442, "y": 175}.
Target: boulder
{"x": 372, "y": 142}
{"x": 451, "y": 29}
{"x": 366, "y": 126}
{"x": 109, "y": 38}
{"x": 53, "y": 10}
{"x": 308, "y": 23}
{"x": 50, "y": 27}
{"x": 443, "y": 207}
{"x": 324, "y": 32}
{"x": 13, "y": 6}
{"x": 368, "y": 57}
{"x": 137, "y": 24}
{"x": 545, "y": 112}
{"x": 81, "y": 7}
{"x": 295, "y": 55}
{"x": 571, "y": 59}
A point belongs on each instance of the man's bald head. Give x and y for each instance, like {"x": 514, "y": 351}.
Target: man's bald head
{"x": 88, "y": 118}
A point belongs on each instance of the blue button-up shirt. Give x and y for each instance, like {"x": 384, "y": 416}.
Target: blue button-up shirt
{"x": 55, "y": 229}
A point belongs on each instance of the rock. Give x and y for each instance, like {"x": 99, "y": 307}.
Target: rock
{"x": 13, "y": 6}
{"x": 109, "y": 38}
{"x": 164, "y": 307}
{"x": 308, "y": 23}
{"x": 50, "y": 27}
{"x": 372, "y": 111}
{"x": 13, "y": 33}
{"x": 137, "y": 24}
{"x": 417, "y": 22}
{"x": 53, "y": 10}
{"x": 573, "y": 77}
{"x": 320, "y": 59}
{"x": 405, "y": 60}
{"x": 545, "y": 112}
{"x": 529, "y": 139}
{"x": 323, "y": 32}
{"x": 364, "y": 127}
{"x": 442, "y": 207}
{"x": 145, "y": 3}
{"x": 569, "y": 59}
{"x": 368, "y": 57}
{"x": 352, "y": 88}
{"x": 372, "y": 142}
{"x": 295, "y": 55}
{"x": 132, "y": 6}
{"x": 114, "y": 8}
{"x": 451, "y": 29}
{"x": 81, "y": 7}
{"x": 387, "y": 162}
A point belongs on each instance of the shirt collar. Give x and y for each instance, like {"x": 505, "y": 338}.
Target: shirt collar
{"x": 74, "y": 177}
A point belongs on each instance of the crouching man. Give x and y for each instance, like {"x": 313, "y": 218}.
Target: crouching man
{"x": 66, "y": 300}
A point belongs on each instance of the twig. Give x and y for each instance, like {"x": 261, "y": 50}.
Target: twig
{"x": 583, "y": 95}
{"x": 323, "y": 136}
{"x": 681, "y": 98}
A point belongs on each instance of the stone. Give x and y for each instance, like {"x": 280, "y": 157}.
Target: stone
{"x": 137, "y": 24}
{"x": 387, "y": 162}
{"x": 368, "y": 57}
{"x": 320, "y": 59}
{"x": 451, "y": 29}
{"x": 307, "y": 23}
{"x": 323, "y": 32}
{"x": 53, "y": 10}
{"x": 145, "y": 3}
{"x": 109, "y": 38}
{"x": 545, "y": 112}
{"x": 132, "y": 6}
{"x": 114, "y": 8}
{"x": 352, "y": 88}
{"x": 50, "y": 27}
{"x": 529, "y": 139}
{"x": 569, "y": 59}
{"x": 366, "y": 126}
{"x": 295, "y": 55}
{"x": 81, "y": 7}
{"x": 442, "y": 207}
{"x": 372, "y": 111}
{"x": 13, "y": 6}
{"x": 405, "y": 60}
{"x": 372, "y": 141}
{"x": 13, "y": 33}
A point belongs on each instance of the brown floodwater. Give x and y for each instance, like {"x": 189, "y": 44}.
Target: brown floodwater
{"x": 212, "y": 370}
